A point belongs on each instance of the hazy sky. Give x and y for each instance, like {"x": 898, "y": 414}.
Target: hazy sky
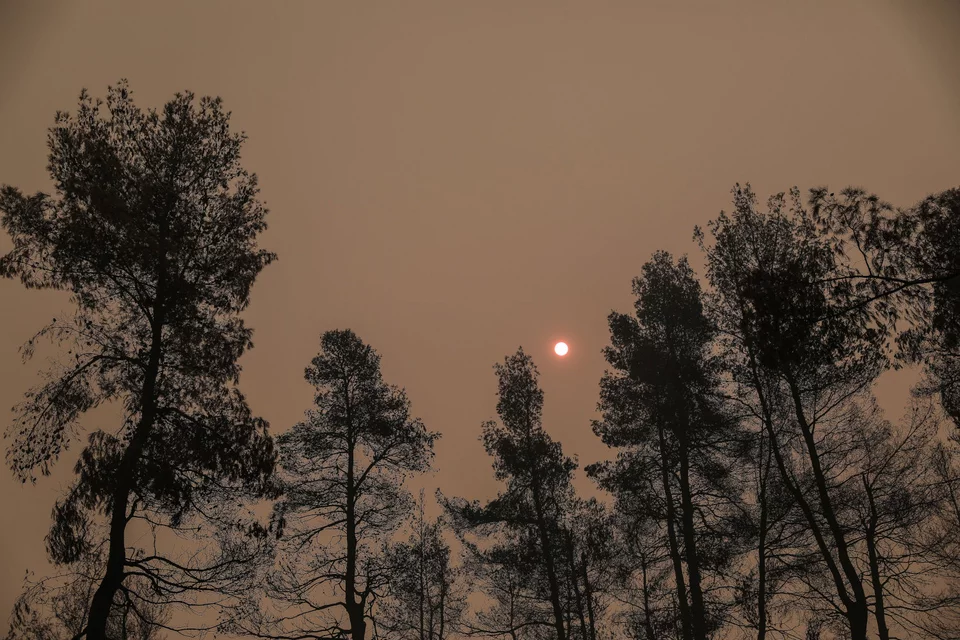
{"x": 452, "y": 180}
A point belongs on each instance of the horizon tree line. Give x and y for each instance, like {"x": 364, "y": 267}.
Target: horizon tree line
{"x": 755, "y": 488}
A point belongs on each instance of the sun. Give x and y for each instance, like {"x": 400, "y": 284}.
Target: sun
{"x": 561, "y": 348}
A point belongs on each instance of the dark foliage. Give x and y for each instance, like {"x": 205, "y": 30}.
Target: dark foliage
{"x": 531, "y": 509}
{"x": 153, "y": 232}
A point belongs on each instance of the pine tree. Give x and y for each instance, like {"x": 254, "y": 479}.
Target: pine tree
{"x": 153, "y": 232}
{"x": 341, "y": 472}
{"x": 538, "y": 490}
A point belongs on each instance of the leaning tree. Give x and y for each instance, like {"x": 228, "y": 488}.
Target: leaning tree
{"x": 152, "y": 228}
{"x": 807, "y": 347}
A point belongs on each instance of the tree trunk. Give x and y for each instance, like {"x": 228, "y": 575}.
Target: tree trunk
{"x": 794, "y": 490}
{"x": 358, "y": 626}
{"x": 871, "y": 540}
{"x": 546, "y": 547}
{"x": 647, "y": 612}
{"x": 588, "y": 594}
{"x": 762, "y": 581}
{"x": 513, "y": 613}
{"x": 857, "y": 617}
{"x": 422, "y": 570}
{"x": 102, "y": 601}
{"x": 762, "y": 544}
{"x": 698, "y": 609}
{"x": 443, "y": 603}
{"x": 551, "y": 568}
{"x": 571, "y": 557}
{"x": 674, "y": 545}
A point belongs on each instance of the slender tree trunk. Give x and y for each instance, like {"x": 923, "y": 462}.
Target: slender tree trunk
{"x": 856, "y": 611}
{"x": 550, "y": 565}
{"x": 571, "y": 558}
{"x": 547, "y": 548}
{"x": 102, "y": 601}
{"x": 647, "y": 611}
{"x": 875, "y": 578}
{"x": 513, "y": 612}
{"x": 855, "y": 606}
{"x": 764, "y": 473}
{"x": 422, "y": 569}
{"x": 588, "y": 594}
{"x": 674, "y": 544}
{"x": 698, "y": 609}
{"x": 762, "y": 576}
{"x": 123, "y": 623}
{"x": 358, "y": 626}
{"x": 443, "y": 602}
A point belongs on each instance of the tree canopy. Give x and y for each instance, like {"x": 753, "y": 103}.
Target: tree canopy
{"x": 153, "y": 231}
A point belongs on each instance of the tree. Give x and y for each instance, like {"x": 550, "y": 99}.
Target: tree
{"x": 341, "y": 472}
{"x": 903, "y": 267}
{"x": 898, "y": 497}
{"x": 538, "y": 488}
{"x": 424, "y": 600}
{"x": 662, "y": 403}
{"x": 153, "y": 231}
{"x": 783, "y": 297}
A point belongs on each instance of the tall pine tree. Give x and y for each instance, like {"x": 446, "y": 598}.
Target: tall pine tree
{"x": 153, "y": 231}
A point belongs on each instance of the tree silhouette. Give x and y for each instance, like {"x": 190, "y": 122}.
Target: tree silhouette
{"x": 342, "y": 471}
{"x": 662, "y": 404}
{"x": 896, "y": 499}
{"x": 775, "y": 278}
{"x": 424, "y": 601}
{"x": 938, "y": 253}
{"x": 153, "y": 231}
{"x": 537, "y": 475}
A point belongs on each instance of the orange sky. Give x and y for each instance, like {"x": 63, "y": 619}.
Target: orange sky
{"x": 454, "y": 180}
